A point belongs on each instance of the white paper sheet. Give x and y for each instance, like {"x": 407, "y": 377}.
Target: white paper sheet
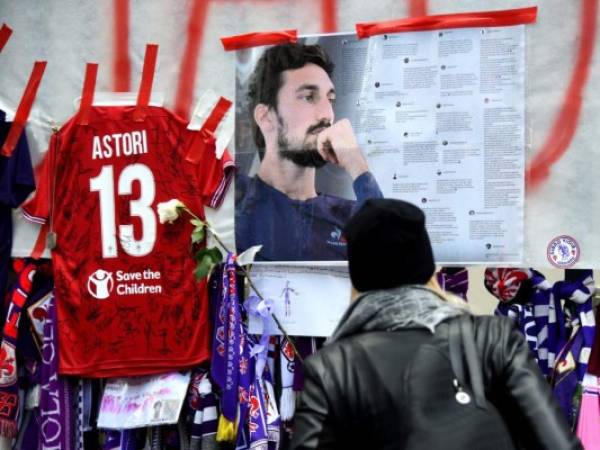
{"x": 143, "y": 401}
{"x": 308, "y": 301}
{"x": 442, "y": 120}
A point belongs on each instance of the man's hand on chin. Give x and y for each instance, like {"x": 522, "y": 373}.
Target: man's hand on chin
{"x": 337, "y": 145}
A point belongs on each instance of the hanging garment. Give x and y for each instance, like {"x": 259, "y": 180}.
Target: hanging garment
{"x": 454, "y": 280}
{"x": 544, "y": 313}
{"x": 16, "y": 183}
{"x": 508, "y": 285}
{"x": 594, "y": 361}
{"x": 588, "y": 423}
{"x": 125, "y": 290}
{"x": 240, "y": 368}
{"x": 577, "y": 320}
{"x": 523, "y": 316}
{"x": 203, "y": 406}
{"x": 228, "y": 363}
{"x": 9, "y": 388}
{"x": 56, "y": 414}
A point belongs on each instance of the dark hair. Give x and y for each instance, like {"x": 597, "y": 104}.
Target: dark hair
{"x": 266, "y": 79}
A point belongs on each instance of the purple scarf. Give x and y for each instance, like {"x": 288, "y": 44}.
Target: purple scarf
{"x": 454, "y": 280}
{"x": 259, "y": 419}
{"x": 306, "y": 346}
{"x": 226, "y": 361}
{"x": 9, "y": 387}
{"x": 55, "y": 398}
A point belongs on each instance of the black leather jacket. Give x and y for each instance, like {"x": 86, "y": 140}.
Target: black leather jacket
{"x": 375, "y": 391}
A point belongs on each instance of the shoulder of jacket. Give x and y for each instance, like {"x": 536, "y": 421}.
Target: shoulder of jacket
{"x": 493, "y": 324}
{"x": 334, "y": 355}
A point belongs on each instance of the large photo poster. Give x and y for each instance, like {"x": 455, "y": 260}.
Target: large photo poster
{"x": 436, "y": 118}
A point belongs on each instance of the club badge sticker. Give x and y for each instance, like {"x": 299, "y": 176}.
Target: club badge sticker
{"x": 563, "y": 252}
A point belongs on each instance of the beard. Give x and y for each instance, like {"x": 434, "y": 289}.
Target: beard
{"x": 304, "y": 152}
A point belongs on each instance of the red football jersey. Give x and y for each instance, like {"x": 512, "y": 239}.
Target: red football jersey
{"x": 127, "y": 300}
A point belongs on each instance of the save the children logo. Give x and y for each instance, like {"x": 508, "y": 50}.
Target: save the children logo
{"x": 100, "y": 284}
{"x": 563, "y": 252}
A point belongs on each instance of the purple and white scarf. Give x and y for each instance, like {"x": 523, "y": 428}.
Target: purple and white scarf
{"x": 577, "y": 296}
{"x": 203, "y": 403}
{"x": 571, "y": 361}
{"x": 56, "y": 421}
{"x": 522, "y": 314}
{"x": 226, "y": 358}
{"x": 544, "y": 313}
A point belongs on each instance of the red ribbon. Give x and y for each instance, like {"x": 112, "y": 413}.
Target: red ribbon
{"x": 24, "y": 108}
{"x": 249, "y": 40}
{"x": 87, "y": 93}
{"x": 207, "y": 132}
{"x": 462, "y": 20}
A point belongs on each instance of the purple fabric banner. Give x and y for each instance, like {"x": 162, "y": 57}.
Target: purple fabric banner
{"x": 55, "y": 400}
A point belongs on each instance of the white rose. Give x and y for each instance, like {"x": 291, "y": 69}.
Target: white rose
{"x": 169, "y": 211}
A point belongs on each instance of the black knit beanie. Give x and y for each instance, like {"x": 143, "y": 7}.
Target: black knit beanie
{"x": 388, "y": 245}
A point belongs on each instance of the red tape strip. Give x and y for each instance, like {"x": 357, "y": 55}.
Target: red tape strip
{"x": 462, "y": 20}
{"x": 87, "y": 93}
{"x": 208, "y": 129}
{"x": 217, "y": 114}
{"x": 146, "y": 85}
{"x": 5, "y": 33}
{"x": 24, "y": 108}
{"x": 257, "y": 39}
{"x": 40, "y": 244}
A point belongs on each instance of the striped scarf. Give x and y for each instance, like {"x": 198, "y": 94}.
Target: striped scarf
{"x": 9, "y": 388}
{"x": 522, "y": 315}
{"x": 203, "y": 403}
{"x": 563, "y": 329}
{"x": 544, "y": 313}
{"x": 577, "y": 296}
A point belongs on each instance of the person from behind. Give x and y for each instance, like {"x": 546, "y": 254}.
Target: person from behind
{"x": 388, "y": 377}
